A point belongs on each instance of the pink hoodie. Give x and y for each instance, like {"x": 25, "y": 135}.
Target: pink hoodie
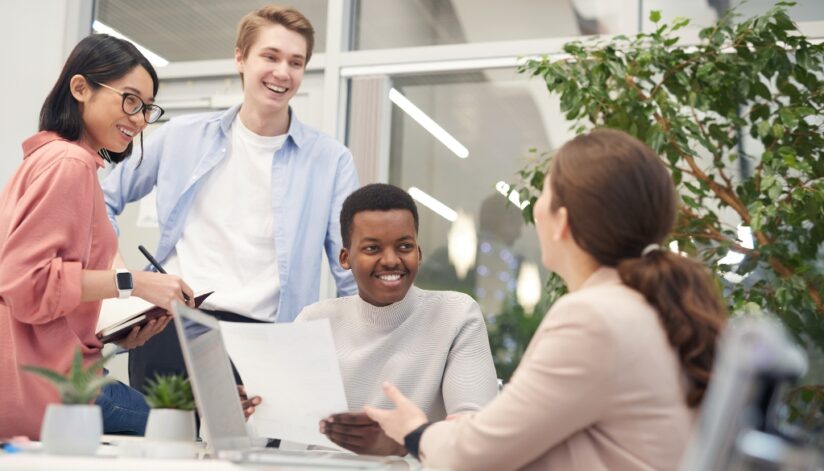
{"x": 53, "y": 225}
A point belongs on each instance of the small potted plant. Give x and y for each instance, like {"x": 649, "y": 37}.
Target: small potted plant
{"x": 75, "y": 426}
{"x": 170, "y": 431}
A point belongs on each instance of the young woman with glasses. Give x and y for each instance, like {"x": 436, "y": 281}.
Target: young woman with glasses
{"x": 57, "y": 245}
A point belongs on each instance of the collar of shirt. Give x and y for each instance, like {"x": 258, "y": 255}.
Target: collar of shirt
{"x": 296, "y": 132}
{"x": 42, "y": 138}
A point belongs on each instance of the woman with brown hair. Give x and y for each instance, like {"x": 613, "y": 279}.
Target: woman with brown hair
{"x": 618, "y": 367}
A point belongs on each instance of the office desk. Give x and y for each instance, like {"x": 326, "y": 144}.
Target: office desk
{"x": 107, "y": 459}
{"x": 38, "y": 462}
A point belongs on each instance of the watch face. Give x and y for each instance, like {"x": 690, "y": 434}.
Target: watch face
{"x": 124, "y": 280}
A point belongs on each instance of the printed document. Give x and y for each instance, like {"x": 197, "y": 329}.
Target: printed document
{"x": 293, "y": 367}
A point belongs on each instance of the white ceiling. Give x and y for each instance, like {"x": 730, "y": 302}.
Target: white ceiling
{"x": 186, "y": 30}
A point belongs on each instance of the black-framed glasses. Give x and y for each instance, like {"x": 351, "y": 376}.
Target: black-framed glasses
{"x": 133, "y": 104}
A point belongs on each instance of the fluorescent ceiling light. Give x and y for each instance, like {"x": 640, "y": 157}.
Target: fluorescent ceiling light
{"x": 155, "y": 59}
{"x": 438, "y": 66}
{"x": 430, "y": 202}
{"x": 429, "y": 124}
{"x": 503, "y": 188}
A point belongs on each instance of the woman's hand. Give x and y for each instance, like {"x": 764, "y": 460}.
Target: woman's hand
{"x": 248, "y": 404}
{"x": 356, "y": 432}
{"x": 397, "y": 423}
{"x": 161, "y": 289}
{"x": 140, "y": 335}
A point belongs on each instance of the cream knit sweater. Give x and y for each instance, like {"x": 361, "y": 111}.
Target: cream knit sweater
{"x": 432, "y": 345}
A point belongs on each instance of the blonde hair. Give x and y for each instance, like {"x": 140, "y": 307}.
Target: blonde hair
{"x": 288, "y": 17}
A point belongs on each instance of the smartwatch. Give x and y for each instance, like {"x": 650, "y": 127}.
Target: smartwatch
{"x": 412, "y": 440}
{"x": 123, "y": 282}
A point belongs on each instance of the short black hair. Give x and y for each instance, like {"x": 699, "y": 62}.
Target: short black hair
{"x": 100, "y": 58}
{"x": 374, "y": 197}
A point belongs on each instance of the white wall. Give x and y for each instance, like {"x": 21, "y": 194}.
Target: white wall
{"x": 36, "y": 39}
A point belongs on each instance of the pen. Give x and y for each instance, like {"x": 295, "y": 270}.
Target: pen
{"x": 156, "y": 264}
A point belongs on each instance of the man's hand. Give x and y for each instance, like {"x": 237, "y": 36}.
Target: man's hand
{"x": 138, "y": 336}
{"x": 248, "y": 404}
{"x": 356, "y": 432}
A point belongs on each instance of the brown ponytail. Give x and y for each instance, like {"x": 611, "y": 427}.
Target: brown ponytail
{"x": 689, "y": 309}
{"x": 620, "y": 198}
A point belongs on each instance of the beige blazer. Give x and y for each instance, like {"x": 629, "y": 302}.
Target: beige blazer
{"x": 598, "y": 388}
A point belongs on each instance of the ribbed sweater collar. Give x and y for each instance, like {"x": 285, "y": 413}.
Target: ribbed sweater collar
{"x": 391, "y": 316}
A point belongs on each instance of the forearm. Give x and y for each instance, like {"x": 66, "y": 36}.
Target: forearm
{"x": 97, "y": 285}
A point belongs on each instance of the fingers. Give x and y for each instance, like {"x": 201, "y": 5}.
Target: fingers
{"x": 350, "y": 442}
{"x": 394, "y": 394}
{"x": 190, "y": 294}
{"x": 378, "y": 415}
{"x": 164, "y": 322}
{"x": 351, "y": 418}
{"x": 246, "y": 403}
{"x": 352, "y": 430}
{"x": 132, "y": 335}
{"x": 249, "y": 405}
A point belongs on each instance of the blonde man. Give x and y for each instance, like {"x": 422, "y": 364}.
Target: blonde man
{"x": 247, "y": 198}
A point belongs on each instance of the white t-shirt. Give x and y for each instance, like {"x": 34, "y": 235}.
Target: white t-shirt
{"x": 228, "y": 243}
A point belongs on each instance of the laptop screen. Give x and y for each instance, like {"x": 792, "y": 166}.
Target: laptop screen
{"x": 213, "y": 384}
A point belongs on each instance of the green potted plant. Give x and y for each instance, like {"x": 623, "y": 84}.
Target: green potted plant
{"x": 738, "y": 119}
{"x": 170, "y": 430}
{"x": 75, "y": 426}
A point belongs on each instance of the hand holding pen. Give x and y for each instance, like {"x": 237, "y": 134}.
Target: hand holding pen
{"x": 161, "y": 288}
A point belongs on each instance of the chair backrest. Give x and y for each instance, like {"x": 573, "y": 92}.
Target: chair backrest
{"x": 738, "y": 427}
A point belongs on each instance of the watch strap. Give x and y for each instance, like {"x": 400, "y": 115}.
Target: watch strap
{"x": 412, "y": 440}
{"x": 123, "y": 290}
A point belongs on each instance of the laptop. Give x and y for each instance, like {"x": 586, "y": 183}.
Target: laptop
{"x": 218, "y": 403}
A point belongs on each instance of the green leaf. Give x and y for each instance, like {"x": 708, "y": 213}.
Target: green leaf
{"x": 52, "y": 376}
{"x": 754, "y": 77}
{"x": 170, "y": 392}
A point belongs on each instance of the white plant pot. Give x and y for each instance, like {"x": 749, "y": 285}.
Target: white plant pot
{"x": 170, "y": 433}
{"x": 72, "y": 429}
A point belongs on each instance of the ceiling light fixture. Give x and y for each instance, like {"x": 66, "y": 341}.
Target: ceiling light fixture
{"x": 155, "y": 59}
{"x": 428, "y": 123}
{"x": 432, "y": 203}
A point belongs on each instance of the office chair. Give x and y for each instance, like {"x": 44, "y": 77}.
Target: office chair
{"x": 740, "y": 426}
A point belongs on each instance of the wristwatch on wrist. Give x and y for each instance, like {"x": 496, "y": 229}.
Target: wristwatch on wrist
{"x": 123, "y": 282}
{"x": 412, "y": 440}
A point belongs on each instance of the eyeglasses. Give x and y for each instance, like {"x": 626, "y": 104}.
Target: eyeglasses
{"x": 133, "y": 104}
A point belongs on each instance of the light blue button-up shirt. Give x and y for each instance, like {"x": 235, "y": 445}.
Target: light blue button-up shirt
{"x": 311, "y": 176}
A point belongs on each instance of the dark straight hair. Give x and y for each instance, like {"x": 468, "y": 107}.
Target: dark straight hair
{"x": 620, "y": 199}
{"x": 100, "y": 58}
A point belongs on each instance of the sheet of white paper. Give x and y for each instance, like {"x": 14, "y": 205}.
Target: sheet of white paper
{"x": 294, "y": 369}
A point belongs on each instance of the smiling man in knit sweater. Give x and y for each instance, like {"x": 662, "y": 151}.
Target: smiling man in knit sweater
{"x": 432, "y": 344}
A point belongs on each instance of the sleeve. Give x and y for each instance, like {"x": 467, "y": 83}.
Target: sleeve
{"x": 48, "y": 243}
{"x": 346, "y": 181}
{"x": 469, "y": 380}
{"x": 560, "y": 388}
{"x": 134, "y": 178}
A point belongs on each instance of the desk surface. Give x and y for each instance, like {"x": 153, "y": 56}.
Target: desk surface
{"x": 108, "y": 459}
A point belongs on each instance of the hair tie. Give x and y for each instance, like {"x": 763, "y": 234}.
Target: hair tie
{"x": 649, "y": 249}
